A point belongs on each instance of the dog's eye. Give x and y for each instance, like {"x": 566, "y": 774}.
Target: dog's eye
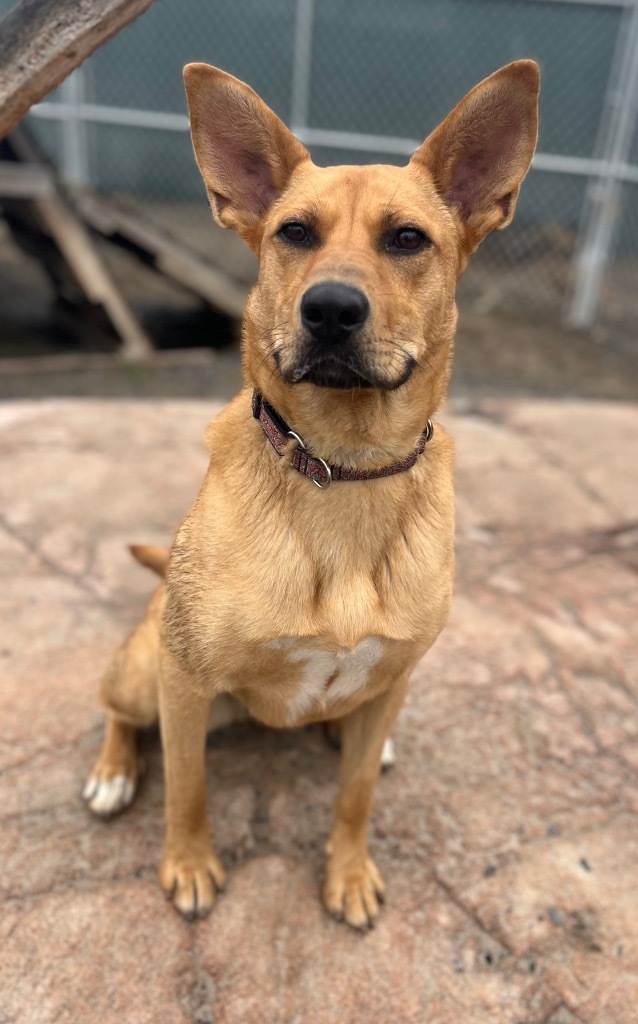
{"x": 294, "y": 233}
{"x": 409, "y": 239}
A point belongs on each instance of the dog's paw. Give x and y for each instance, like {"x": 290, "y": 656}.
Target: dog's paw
{"x": 108, "y": 796}
{"x": 111, "y": 788}
{"x": 353, "y": 893}
{"x": 192, "y": 881}
{"x": 112, "y": 784}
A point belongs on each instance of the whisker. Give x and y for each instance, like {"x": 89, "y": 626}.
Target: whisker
{"x": 396, "y": 342}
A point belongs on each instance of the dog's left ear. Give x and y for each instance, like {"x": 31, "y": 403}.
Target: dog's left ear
{"x": 245, "y": 153}
{"x": 479, "y": 155}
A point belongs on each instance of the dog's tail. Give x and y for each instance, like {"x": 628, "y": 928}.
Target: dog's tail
{"x": 152, "y": 556}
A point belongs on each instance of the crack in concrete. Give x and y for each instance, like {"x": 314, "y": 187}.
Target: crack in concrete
{"x": 523, "y": 550}
{"x": 564, "y": 467}
{"x": 200, "y": 1001}
{"x": 556, "y": 1017}
{"x": 470, "y": 914}
{"x": 587, "y": 724}
{"x": 501, "y": 940}
{"x": 86, "y": 884}
{"x": 54, "y": 567}
{"x": 56, "y": 747}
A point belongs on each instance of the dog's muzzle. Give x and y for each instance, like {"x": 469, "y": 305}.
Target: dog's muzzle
{"x": 332, "y": 316}
{"x": 335, "y": 347}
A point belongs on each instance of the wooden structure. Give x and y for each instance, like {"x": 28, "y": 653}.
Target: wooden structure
{"x": 41, "y": 42}
{"x": 45, "y": 225}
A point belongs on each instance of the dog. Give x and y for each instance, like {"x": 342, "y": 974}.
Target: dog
{"x": 315, "y": 568}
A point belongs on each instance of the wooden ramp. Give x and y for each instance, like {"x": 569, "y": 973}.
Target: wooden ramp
{"x": 45, "y": 225}
{"x": 123, "y": 224}
{"x": 58, "y": 227}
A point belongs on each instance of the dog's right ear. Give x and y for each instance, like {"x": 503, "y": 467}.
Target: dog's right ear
{"x": 245, "y": 153}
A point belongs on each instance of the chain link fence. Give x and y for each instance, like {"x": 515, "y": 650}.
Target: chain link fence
{"x": 365, "y": 81}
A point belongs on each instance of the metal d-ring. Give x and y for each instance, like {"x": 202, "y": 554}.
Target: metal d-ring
{"x": 328, "y": 471}
{"x": 299, "y": 441}
{"x": 429, "y": 431}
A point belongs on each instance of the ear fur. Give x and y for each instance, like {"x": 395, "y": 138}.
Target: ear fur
{"x": 245, "y": 153}
{"x": 479, "y": 155}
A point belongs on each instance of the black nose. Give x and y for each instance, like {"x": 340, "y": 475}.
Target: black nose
{"x": 333, "y": 311}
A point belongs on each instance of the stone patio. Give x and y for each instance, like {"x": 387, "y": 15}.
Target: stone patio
{"x": 507, "y": 833}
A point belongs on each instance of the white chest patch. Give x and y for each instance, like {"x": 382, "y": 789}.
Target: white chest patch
{"x": 328, "y": 678}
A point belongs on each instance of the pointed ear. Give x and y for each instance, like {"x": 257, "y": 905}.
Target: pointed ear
{"x": 480, "y": 154}
{"x": 245, "y": 153}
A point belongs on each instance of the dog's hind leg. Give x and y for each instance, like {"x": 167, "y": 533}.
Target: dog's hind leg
{"x": 332, "y": 732}
{"x": 129, "y": 692}
{"x": 111, "y": 786}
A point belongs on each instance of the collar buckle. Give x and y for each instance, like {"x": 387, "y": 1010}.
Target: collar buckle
{"x": 309, "y": 459}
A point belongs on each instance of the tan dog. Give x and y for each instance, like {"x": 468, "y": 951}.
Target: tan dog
{"x": 311, "y": 604}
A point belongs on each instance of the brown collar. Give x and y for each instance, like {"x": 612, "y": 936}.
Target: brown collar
{"x": 320, "y": 472}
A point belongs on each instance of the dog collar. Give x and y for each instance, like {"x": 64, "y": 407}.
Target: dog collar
{"x": 321, "y": 472}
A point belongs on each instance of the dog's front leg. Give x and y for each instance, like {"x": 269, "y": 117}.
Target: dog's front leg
{"x": 353, "y": 884}
{"x": 190, "y": 872}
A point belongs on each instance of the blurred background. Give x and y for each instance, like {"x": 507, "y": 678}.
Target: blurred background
{"x": 550, "y": 305}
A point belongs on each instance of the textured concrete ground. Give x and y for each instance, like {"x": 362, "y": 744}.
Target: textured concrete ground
{"x": 508, "y": 832}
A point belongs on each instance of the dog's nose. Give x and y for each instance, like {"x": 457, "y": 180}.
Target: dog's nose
{"x": 332, "y": 311}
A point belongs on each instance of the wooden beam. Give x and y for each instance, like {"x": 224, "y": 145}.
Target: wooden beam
{"x": 42, "y": 41}
{"x": 167, "y": 254}
{"x": 51, "y": 216}
{"x": 24, "y": 181}
{"x": 83, "y": 362}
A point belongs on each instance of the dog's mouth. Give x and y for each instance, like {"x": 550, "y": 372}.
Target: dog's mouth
{"x": 343, "y": 372}
{"x": 331, "y": 372}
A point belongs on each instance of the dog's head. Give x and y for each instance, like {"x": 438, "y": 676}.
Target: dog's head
{"x": 358, "y": 265}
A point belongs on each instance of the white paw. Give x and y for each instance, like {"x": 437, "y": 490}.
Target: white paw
{"x": 388, "y": 756}
{"x": 109, "y": 796}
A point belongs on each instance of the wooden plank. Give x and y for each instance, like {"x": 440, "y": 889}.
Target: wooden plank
{"x": 73, "y": 362}
{"x": 24, "y": 181}
{"x": 54, "y": 215}
{"x": 193, "y": 225}
{"x": 42, "y": 41}
{"x": 203, "y": 279}
{"x": 78, "y": 248}
{"x": 169, "y": 256}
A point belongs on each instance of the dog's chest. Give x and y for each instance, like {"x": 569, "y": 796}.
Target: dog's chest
{"x": 322, "y": 679}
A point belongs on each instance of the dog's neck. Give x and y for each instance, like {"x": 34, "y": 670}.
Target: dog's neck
{"x": 304, "y": 461}
{"x": 358, "y": 429}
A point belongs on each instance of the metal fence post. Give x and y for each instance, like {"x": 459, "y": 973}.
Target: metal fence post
{"x": 602, "y": 205}
{"x": 301, "y": 65}
{"x": 75, "y": 154}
